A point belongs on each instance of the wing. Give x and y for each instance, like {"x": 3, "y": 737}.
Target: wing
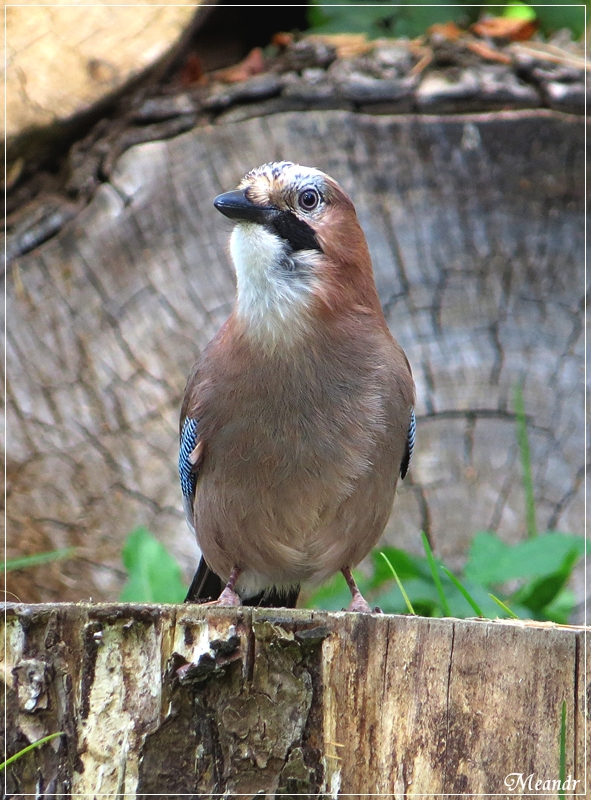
{"x": 410, "y": 444}
{"x": 189, "y": 461}
{"x": 206, "y": 585}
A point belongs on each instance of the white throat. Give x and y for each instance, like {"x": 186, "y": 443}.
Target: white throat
{"x": 272, "y": 298}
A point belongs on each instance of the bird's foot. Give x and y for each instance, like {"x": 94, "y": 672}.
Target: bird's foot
{"x": 360, "y": 604}
{"x": 228, "y": 598}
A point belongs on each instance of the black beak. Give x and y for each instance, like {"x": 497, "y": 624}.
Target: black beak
{"x": 236, "y": 205}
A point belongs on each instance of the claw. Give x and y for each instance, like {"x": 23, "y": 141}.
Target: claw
{"x": 359, "y": 603}
{"x": 228, "y": 598}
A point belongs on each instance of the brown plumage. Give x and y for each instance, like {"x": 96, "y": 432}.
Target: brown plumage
{"x": 302, "y": 401}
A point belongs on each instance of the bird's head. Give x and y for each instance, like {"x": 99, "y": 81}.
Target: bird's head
{"x": 297, "y": 247}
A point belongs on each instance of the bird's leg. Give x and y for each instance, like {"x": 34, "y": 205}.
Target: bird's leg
{"x": 358, "y": 603}
{"x": 229, "y": 597}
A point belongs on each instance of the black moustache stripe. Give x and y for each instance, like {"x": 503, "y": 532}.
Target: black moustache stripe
{"x": 295, "y": 231}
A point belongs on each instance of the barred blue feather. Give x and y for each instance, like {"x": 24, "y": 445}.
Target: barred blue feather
{"x": 410, "y": 444}
{"x": 186, "y": 469}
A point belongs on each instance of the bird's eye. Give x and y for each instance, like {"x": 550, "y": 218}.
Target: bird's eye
{"x": 308, "y": 199}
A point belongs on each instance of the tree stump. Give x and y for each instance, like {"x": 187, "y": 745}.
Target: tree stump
{"x": 475, "y": 225}
{"x": 188, "y": 701}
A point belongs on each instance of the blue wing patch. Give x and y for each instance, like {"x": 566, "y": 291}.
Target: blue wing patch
{"x": 186, "y": 465}
{"x": 410, "y": 444}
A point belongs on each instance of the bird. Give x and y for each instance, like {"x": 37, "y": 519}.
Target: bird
{"x": 298, "y": 416}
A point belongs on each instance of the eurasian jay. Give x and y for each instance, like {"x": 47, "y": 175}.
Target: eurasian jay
{"x": 298, "y": 417}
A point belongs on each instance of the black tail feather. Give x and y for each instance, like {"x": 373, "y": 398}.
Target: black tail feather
{"x": 206, "y": 585}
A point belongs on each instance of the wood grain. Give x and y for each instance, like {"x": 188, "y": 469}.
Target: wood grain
{"x": 63, "y": 62}
{"x": 475, "y": 224}
{"x": 287, "y": 702}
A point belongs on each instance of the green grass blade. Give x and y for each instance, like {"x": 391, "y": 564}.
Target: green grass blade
{"x": 400, "y": 586}
{"x": 435, "y": 575}
{"x": 30, "y": 747}
{"x": 464, "y": 592}
{"x": 38, "y": 558}
{"x": 528, "y": 484}
{"x": 505, "y": 608}
{"x": 562, "y": 767}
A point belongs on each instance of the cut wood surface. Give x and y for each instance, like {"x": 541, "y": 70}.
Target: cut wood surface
{"x": 196, "y": 702}
{"x": 476, "y": 228}
{"x": 62, "y": 60}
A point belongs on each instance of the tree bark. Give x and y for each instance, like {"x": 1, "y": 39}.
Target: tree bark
{"x": 476, "y": 228}
{"x": 189, "y": 701}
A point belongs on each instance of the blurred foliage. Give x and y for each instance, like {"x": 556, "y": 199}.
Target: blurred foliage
{"x": 385, "y": 19}
{"x": 518, "y": 10}
{"x": 37, "y": 558}
{"x": 153, "y": 574}
{"x": 560, "y": 15}
{"x": 530, "y": 577}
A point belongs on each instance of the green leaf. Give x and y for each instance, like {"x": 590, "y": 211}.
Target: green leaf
{"x": 384, "y": 19}
{"x": 464, "y": 592}
{"x": 316, "y": 17}
{"x": 435, "y": 575}
{"x": 542, "y": 591}
{"x": 539, "y": 593}
{"x": 493, "y": 562}
{"x": 458, "y": 604}
{"x": 332, "y": 596}
{"x": 560, "y": 609}
{"x": 154, "y": 575}
{"x": 38, "y": 558}
{"x": 421, "y": 594}
{"x": 400, "y": 586}
{"x": 345, "y": 18}
{"x": 518, "y": 10}
{"x": 481, "y": 596}
{"x": 487, "y": 558}
{"x": 405, "y": 564}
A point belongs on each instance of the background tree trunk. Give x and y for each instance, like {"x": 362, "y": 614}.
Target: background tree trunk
{"x": 182, "y": 700}
{"x": 475, "y": 224}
